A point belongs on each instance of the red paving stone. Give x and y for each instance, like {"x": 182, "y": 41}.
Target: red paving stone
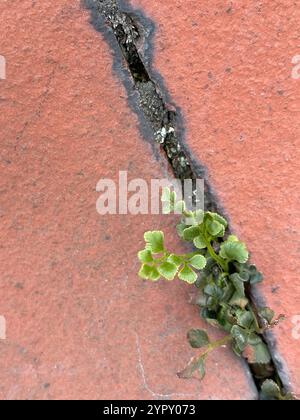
{"x": 228, "y": 65}
{"x": 80, "y": 324}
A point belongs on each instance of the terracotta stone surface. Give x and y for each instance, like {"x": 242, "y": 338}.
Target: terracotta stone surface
{"x": 228, "y": 65}
{"x": 80, "y": 323}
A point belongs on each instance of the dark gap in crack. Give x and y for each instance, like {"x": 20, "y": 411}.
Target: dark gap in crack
{"x": 163, "y": 119}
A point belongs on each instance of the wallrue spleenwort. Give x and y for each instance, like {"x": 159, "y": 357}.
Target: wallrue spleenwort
{"x": 219, "y": 268}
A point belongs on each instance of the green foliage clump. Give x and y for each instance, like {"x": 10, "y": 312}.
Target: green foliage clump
{"x": 219, "y": 268}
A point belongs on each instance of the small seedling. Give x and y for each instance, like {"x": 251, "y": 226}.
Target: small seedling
{"x": 219, "y": 268}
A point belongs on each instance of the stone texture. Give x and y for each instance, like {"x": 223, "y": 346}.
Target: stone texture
{"x": 228, "y": 65}
{"x": 80, "y": 323}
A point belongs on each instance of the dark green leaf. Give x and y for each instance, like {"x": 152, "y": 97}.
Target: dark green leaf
{"x": 213, "y": 290}
{"x": 238, "y": 284}
{"x": 196, "y": 364}
{"x": 198, "y": 338}
{"x": 225, "y": 319}
{"x": 245, "y": 319}
{"x": 255, "y": 276}
{"x": 254, "y": 339}
{"x": 240, "y": 336}
{"x": 244, "y": 275}
{"x": 210, "y": 318}
{"x": 238, "y": 300}
{"x": 267, "y": 314}
{"x": 262, "y": 354}
{"x": 201, "y": 369}
{"x": 237, "y": 350}
{"x": 270, "y": 389}
{"x": 227, "y": 293}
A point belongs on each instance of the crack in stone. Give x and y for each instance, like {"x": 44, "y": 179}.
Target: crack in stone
{"x": 163, "y": 118}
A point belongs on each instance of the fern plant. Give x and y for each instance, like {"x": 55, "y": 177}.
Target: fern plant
{"x": 219, "y": 268}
